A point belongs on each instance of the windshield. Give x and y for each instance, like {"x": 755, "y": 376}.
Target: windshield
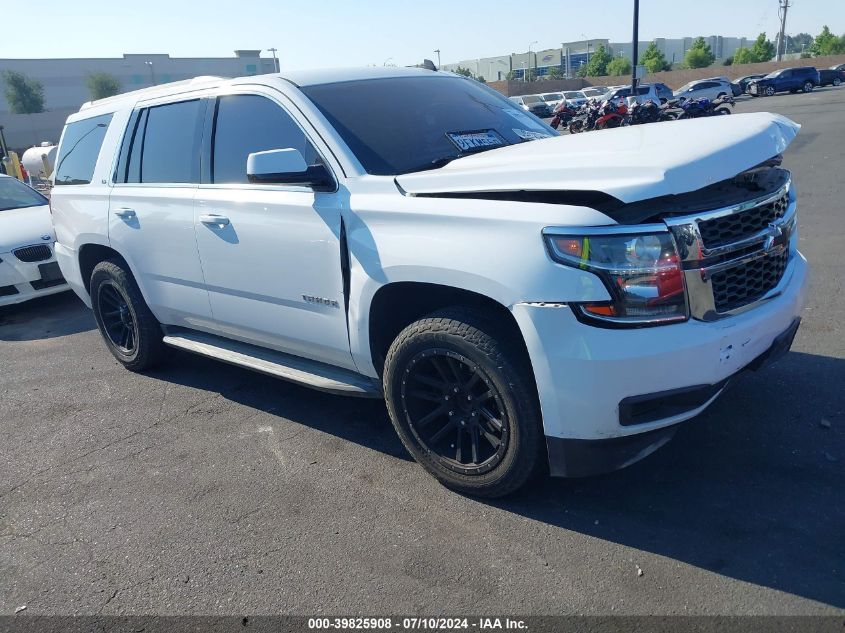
{"x": 554, "y": 96}
{"x": 403, "y": 124}
{"x": 590, "y": 93}
{"x": 574, "y": 95}
{"x": 685, "y": 87}
{"x": 16, "y": 195}
{"x": 531, "y": 99}
{"x": 774, "y": 74}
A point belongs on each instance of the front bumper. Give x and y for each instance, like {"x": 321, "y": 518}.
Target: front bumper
{"x": 584, "y": 373}
{"x": 21, "y": 281}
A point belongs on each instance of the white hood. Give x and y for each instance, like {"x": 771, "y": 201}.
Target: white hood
{"x": 24, "y": 227}
{"x": 629, "y": 163}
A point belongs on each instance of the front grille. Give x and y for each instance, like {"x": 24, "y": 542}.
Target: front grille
{"x": 745, "y": 283}
{"x": 35, "y": 253}
{"x": 732, "y": 228}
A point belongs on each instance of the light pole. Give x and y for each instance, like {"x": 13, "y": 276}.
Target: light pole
{"x": 438, "y": 57}
{"x": 588, "y": 47}
{"x": 275, "y": 60}
{"x": 152, "y": 72}
{"x": 635, "y": 45}
{"x": 529, "y": 56}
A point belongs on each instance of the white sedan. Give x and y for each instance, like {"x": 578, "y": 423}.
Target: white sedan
{"x": 28, "y": 267}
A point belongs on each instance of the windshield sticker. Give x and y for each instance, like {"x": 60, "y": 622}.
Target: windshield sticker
{"x": 530, "y": 135}
{"x": 475, "y": 140}
{"x": 523, "y": 119}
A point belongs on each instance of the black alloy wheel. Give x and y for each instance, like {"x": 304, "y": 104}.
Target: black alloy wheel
{"x": 129, "y": 329}
{"x": 119, "y": 323}
{"x": 454, "y": 411}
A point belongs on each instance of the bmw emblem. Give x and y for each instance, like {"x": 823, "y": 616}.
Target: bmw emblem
{"x": 46, "y": 238}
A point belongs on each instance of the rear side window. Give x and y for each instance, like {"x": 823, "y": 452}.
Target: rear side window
{"x": 80, "y": 148}
{"x": 162, "y": 144}
{"x": 249, "y": 123}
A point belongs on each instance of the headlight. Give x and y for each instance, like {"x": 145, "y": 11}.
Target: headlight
{"x": 642, "y": 273}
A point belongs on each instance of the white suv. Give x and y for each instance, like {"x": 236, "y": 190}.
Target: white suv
{"x": 393, "y": 233}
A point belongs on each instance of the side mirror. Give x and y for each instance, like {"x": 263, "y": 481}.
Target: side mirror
{"x": 288, "y": 167}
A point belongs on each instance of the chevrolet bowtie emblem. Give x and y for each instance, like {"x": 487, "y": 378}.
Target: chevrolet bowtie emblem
{"x": 774, "y": 236}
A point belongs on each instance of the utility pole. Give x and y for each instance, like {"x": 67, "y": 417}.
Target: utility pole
{"x": 783, "y": 5}
{"x": 438, "y": 58}
{"x": 275, "y": 60}
{"x": 634, "y": 48}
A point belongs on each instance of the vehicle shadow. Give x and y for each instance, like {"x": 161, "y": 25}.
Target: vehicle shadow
{"x": 363, "y": 421}
{"x": 46, "y": 317}
{"x": 752, "y": 489}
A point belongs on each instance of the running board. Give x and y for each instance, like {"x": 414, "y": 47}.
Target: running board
{"x": 278, "y": 364}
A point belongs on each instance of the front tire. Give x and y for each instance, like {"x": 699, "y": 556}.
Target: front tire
{"x": 808, "y": 87}
{"x": 837, "y": 81}
{"x": 464, "y": 404}
{"x": 129, "y": 329}
{"x": 770, "y": 91}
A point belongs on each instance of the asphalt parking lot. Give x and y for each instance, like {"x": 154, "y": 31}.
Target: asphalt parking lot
{"x": 202, "y": 488}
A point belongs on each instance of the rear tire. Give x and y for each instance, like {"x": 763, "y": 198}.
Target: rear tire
{"x": 129, "y": 329}
{"x": 464, "y": 404}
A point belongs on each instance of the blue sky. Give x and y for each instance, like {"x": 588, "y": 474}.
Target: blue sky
{"x": 324, "y": 33}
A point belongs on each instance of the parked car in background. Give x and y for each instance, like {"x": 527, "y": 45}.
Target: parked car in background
{"x": 645, "y": 92}
{"x": 664, "y": 92}
{"x": 838, "y": 67}
{"x": 388, "y": 232}
{"x": 704, "y": 89}
{"x": 534, "y": 104}
{"x": 575, "y": 98}
{"x": 553, "y": 99}
{"x": 804, "y": 78}
{"x": 744, "y": 81}
{"x": 831, "y": 77}
{"x": 593, "y": 92}
{"x": 28, "y": 267}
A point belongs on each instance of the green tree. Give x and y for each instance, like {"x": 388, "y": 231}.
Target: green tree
{"x": 619, "y": 66}
{"x": 24, "y": 94}
{"x": 798, "y": 43}
{"x": 102, "y": 85}
{"x": 511, "y": 76}
{"x": 597, "y": 66}
{"x": 466, "y": 72}
{"x": 763, "y": 50}
{"x": 654, "y": 60}
{"x": 554, "y": 73}
{"x": 826, "y": 43}
{"x": 699, "y": 55}
{"x": 744, "y": 56}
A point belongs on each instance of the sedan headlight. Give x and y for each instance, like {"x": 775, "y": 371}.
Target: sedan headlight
{"x": 642, "y": 273}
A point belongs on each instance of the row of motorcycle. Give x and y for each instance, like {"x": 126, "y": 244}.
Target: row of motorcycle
{"x": 612, "y": 113}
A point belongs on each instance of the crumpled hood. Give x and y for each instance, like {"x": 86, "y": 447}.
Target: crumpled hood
{"x": 629, "y": 163}
{"x": 24, "y": 227}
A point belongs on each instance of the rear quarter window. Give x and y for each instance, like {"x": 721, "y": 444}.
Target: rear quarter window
{"x": 81, "y": 144}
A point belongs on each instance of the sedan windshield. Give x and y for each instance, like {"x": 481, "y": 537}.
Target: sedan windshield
{"x": 16, "y": 195}
{"x": 402, "y": 124}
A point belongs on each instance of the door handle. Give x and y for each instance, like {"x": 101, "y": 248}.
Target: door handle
{"x": 212, "y": 219}
{"x": 125, "y": 213}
